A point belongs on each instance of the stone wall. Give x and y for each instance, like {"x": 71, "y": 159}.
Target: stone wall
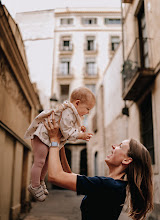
{"x": 18, "y": 105}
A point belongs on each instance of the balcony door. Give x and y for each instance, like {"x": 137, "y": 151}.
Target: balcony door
{"x": 143, "y": 40}
{"x": 65, "y": 67}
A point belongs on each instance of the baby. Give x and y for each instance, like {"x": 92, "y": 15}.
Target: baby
{"x": 82, "y": 100}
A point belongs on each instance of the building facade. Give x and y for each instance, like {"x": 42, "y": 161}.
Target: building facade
{"x": 141, "y": 80}
{"x": 85, "y": 39}
{"x": 19, "y": 103}
{"x": 131, "y": 88}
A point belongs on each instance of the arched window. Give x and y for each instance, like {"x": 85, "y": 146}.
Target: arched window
{"x": 83, "y": 162}
{"x": 96, "y": 163}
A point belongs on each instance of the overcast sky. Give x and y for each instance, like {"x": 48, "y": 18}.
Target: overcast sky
{"x": 15, "y": 6}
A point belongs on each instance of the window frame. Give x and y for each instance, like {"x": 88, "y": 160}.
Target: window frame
{"x": 68, "y": 68}
{"x": 113, "y": 43}
{"x": 66, "y": 23}
{"x": 109, "y": 19}
{"x": 84, "y": 19}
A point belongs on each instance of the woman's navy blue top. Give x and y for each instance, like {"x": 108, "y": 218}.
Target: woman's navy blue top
{"x": 104, "y": 197}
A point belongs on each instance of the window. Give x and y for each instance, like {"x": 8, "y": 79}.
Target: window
{"x": 114, "y": 42}
{"x": 64, "y": 92}
{"x": 90, "y": 43}
{"x": 147, "y": 125}
{"x": 65, "y": 44}
{"x": 89, "y": 21}
{"x": 66, "y": 21}
{"x": 65, "y": 67}
{"x": 91, "y": 67}
{"x": 112, "y": 21}
{"x": 92, "y": 87}
{"x": 96, "y": 163}
{"x": 143, "y": 38}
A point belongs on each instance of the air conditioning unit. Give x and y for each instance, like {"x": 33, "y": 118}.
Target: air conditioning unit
{"x": 127, "y": 1}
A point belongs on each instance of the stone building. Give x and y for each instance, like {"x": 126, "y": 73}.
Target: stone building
{"x": 85, "y": 39}
{"x": 141, "y": 79}
{"x": 131, "y": 87}
{"x": 19, "y": 103}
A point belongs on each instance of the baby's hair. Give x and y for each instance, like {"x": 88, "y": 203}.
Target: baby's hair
{"x": 83, "y": 94}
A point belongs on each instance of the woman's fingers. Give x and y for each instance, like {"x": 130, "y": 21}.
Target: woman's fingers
{"x": 49, "y": 123}
{"x": 47, "y": 127}
{"x": 53, "y": 119}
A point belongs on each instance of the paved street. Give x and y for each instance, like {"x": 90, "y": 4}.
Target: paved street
{"x": 60, "y": 205}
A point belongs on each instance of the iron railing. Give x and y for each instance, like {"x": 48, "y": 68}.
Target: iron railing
{"x": 139, "y": 58}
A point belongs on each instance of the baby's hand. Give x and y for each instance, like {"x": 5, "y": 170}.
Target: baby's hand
{"x": 86, "y": 136}
{"x": 83, "y": 128}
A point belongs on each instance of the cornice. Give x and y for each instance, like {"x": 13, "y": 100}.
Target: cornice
{"x": 86, "y": 10}
{"x": 88, "y": 30}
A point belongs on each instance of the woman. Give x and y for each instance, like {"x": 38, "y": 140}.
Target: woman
{"x": 105, "y": 196}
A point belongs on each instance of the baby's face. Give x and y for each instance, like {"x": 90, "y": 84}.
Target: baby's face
{"x": 83, "y": 108}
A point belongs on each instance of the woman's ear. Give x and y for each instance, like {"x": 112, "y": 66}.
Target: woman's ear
{"x": 127, "y": 161}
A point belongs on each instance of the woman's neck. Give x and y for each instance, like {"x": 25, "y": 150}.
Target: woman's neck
{"x": 116, "y": 173}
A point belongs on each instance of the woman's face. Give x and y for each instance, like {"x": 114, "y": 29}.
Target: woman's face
{"x": 118, "y": 154}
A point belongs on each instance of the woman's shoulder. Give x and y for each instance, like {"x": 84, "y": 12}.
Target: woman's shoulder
{"x": 114, "y": 182}
{"x": 105, "y": 181}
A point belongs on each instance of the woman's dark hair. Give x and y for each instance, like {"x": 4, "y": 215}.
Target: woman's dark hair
{"x": 139, "y": 175}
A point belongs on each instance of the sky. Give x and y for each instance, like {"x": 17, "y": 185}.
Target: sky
{"x": 15, "y": 6}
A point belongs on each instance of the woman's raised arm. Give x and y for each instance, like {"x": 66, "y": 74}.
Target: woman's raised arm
{"x": 64, "y": 161}
{"x": 56, "y": 173}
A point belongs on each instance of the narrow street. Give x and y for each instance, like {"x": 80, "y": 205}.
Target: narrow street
{"x": 60, "y": 205}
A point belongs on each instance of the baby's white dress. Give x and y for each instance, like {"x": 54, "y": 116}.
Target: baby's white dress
{"x": 70, "y": 124}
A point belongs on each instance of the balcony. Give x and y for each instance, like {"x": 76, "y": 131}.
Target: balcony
{"x": 91, "y": 50}
{"x": 65, "y": 76}
{"x": 90, "y": 75}
{"x": 137, "y": 72}
{"x": 65, "y": 50}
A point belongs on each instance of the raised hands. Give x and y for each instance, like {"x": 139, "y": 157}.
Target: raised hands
{"x": 53, "y": 129}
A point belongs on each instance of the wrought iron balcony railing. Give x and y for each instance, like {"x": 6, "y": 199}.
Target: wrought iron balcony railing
{"x": 137, "y": 69}
{"x": 66, "y": 49}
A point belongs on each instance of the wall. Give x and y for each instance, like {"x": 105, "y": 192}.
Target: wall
{"x": 19, "y": 104}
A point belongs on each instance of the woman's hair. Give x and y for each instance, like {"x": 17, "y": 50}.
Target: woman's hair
{"x": 139, "y": 175}
{"x": 82, "y": 93}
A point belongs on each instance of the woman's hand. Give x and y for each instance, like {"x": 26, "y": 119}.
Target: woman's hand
{"x": 53, "y": 129}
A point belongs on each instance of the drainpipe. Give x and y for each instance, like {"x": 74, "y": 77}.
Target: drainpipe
{"x": 125, "y": 110}
{"x": 122, "y": 31}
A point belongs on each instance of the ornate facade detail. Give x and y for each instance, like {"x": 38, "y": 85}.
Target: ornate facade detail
{"x": 10, "y": 83}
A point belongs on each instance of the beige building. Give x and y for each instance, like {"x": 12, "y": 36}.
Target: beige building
{"x": 85, "y": 39}
{"x": 19, "y": 103}
{"x": 141, "y": 80}
{"x": 131, "y": 88}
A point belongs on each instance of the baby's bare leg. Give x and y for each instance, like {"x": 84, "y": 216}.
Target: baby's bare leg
{"x": 40, "y": 152}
